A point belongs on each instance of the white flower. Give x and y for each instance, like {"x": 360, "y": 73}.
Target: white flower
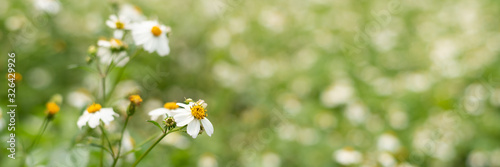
{"x": 120, "y": 24}
{"x": 388, "y": 142}
{"x": 347, "y": 156}
{"x": 194, "y": 116}
{"x": 49, "y": 6}
{"x": 94, "y": 115}
{"x": 167, "y": 109}
{"x": 152, "y": 36}
{"x": 112, "y": 51}
{"x": 131, "y": 12}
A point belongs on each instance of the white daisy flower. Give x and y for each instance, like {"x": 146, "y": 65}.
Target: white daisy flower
{"x": 94, "y": 115}
{"x": 112, "y": 51}
{"x": 49, "y": 6}
{"x": 120, "y": 24}
{"x": 347, "y": 156}
{"x": 194, "y": 116}
{"x": 167, "y": 109}
{"x": 152, "y": 36}
{"x": 131, "y": 12}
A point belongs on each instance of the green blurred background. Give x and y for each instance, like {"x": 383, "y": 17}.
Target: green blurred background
{"x": 288, "y": 82}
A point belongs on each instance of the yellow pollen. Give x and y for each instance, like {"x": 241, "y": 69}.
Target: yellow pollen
{"x": 156, "y": 31}
{"x": 198, "y": 112}
{"x": 171, "y": 105}
{"x": 94, "y": 108}
{"x": 53, "y": 108}
{"x": 119, "y": 25}
{"x": 136, "y": 99}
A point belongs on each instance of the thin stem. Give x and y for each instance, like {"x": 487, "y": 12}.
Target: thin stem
{"x": 140, "y": 145}
{"x": 154, "y": 144}
{"x": 102, "y": 151}
{"x": 40, "y": 133}
{"x": 120, "y": 73}
{"x": 107, "y": 139}
{"x": 120, "y": 142}
{"x": 103, "y": 89}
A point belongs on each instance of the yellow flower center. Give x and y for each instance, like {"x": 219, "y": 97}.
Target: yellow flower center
{"x": 156, "y": 31}
{"x": 136, "y": 99}
{"x": 171, "y": 105}
{"x": 53, "y": 108}
{"x": 94, "y": 108}
{"x": 119, "y": 25}
{"x": 198, "y": 112}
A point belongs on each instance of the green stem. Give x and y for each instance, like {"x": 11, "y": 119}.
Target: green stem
{"x": 107, "y": 139}
{"x": 102, "y": 151}
{"x": 120, "y": 142}
{"x": 103, "y": 90}
{"x": 140, "y": 145}
{"x": 154, "y": 144}
{"x": 40, "y": 133}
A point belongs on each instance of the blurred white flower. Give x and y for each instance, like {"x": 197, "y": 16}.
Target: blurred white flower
{"x": 388, "y": 142}
{"x": 271, "y": 159}
{"x": 128, "y": 144}
{"x": 386, "y": 160}
{"x": 337, "y": 94}
{"x": 94, "y": 114}
{"x": 79, "y": 98}
{"x": 131, "y": 12}
{"x": 347, "y": 156}
{"x": 168, "y": 109}
{"x": 207, "y": 161}
{"x": 477, "y": 159}
{"x": 152, "y": 36}
{"x": 49, "y": 6}
{"x": 193, "y": 115}
{"x": 120, "y": 24}
{"x": 112, "y": 51}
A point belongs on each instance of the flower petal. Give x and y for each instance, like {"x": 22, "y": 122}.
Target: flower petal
{"x": 183, "y": 119}
{"x": 158, "y": 112}
{"x": 207, "y": 125}
{"x": 193, "y": 128}
{"x": 82, "y": 121}
{"x": 94, "y": 119}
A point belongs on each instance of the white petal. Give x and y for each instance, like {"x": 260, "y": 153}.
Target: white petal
{"x": 94, "y": 119}
{"x": 183, "y": 105}
{"x": 163, "y": 48}
{"x": 111, "y": 24}
{"x": 183, "y": 119}
{"x": 207, "y": 125}
{"x": 118, "y": 34}
{"x": 158, "y": 112}
{"x": 193, "y": 128}
{"x": 82, "y": 121}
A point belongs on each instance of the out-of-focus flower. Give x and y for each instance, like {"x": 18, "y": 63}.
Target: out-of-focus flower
{"x": 79, "y": 98}
{"x": 119, "y": 24}
{"x": 16, "y": 76}
{"x": 49, "y": 6}
{"x": 388, "y": 142}
{"x": 135, "y": 99}
{"x": 347, "y": 156}
{"x": 128, "y": 144}
{"x": 167, "y": 109}
{"x": 112, "y": 50}
{"x": 131, "y": 12}
{"x": 2, "y": 122}
{"x": 152, "y": 36}
{"x": 386, "y": 160}
{"x": 52, "y": 108}
{"x": 94, "y": 114}
{"x": 194, "y": 116}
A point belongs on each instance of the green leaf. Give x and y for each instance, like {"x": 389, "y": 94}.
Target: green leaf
{"x": 157, "y": 124}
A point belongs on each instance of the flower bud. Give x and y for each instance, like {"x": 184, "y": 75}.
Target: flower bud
{"x": 135, "y": 100}
{"x": 188, "y": 100}
{"x": 169, "y": 122}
